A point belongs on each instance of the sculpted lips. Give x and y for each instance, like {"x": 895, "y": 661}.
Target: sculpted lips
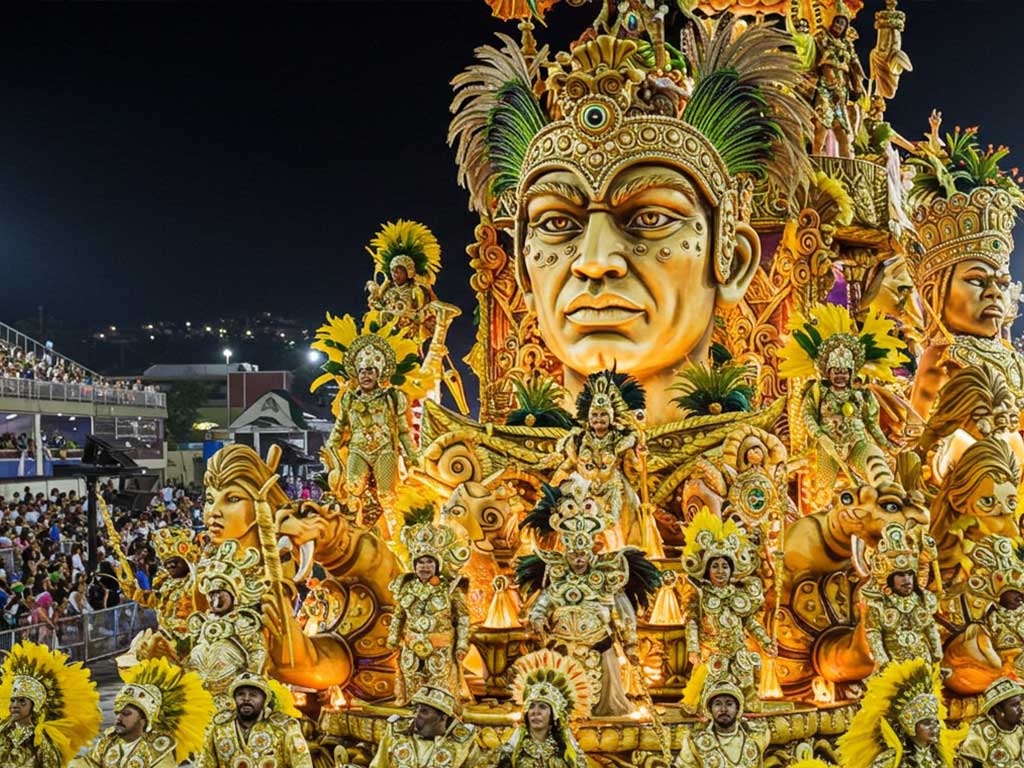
{"x": 602, "y": 310}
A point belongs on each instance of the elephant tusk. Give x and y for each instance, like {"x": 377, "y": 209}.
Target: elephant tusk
{"x": 305, "y": 561}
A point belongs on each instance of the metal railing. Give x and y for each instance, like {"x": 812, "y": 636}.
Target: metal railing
{"x": 12, "y": 337}
{"x": 89, "y": 637}
{"x": 35, "y": 389}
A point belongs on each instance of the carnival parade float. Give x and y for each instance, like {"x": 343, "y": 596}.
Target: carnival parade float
{"x": 749, "y": 425}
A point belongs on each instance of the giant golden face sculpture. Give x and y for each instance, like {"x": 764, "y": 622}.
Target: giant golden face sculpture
{"x": 976, "y": 299}
{"x": 623, "y": 275}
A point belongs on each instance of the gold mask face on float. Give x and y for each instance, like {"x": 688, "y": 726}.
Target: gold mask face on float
{"x": 976, "y": 299}
{"x": 228, "y": 512}
{"x": 994, "y": 505}
{"x": 623, "y": 276}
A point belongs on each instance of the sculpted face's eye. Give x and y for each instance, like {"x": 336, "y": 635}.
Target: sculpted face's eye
{"x": 891, "y": 506}
{"x": 656, "y": 222}
{"x": 846, "y": 497}
{"x": 557, "y": 226}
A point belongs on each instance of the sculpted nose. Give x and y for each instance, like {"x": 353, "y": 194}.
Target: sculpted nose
{"x": 598, "y": 257}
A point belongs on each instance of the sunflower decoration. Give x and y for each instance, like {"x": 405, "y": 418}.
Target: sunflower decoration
{"x": 829, "y": 338}
{"x": 903, "y": 695}
{"x": 175, "y": 704}
{"x": 65, "y": 704}
{"x": 385, "y": 347}
{"x": 407, "y": 244}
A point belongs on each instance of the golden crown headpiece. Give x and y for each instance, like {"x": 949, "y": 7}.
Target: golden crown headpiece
{"x": 898, "y": 550}
{"x": 437, "y": 542}
{"x": 996, "y": 568}
{"x": 1001, "y": 690}
{"x": 175, "y": 541}
{"x": 978, "y": 225}
{"x": 174, "y": 701}
{"x": 604, "y": 106}
{"x": 556, "y": 680}
{"x": 277, "y": 697}
{"x": 437, "y": 698}
{"x": 232, "y": 570}
{"x": 65, "y": 704}
{"x": 708, "y": 537}
{"x": 617, "y": 394}
{"x": 897, "y": 699}
{"x": 722, "y": 688}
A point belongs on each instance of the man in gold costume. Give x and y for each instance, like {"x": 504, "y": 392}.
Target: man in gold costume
{"x": 49, "y": 708}
{"x": 842, "y": 418}
{"x": 434, "y": 736}
{"x": 899, "y": 611}
{"x": 409, "y": 257}
{"x": 726, "y": 741}
{"x": 624, "y": 197}
{"x": 551, "y": 689}
{"x": 160, "y": 713}
{"x": 173, "y": 592}
{"x": 587, "y": 602}
{"x": 261, "y": 729}
{"x": 840, "y": 82}
{"x": 228, "y": 638}
{"x": 901, "y": 722}
{"x": 996, "y": 738}
{"x": 997, "y": 577}
{"x": 431, "y": 620}
{"x": 372, "y": 410}
{"x": 722, "y": 608}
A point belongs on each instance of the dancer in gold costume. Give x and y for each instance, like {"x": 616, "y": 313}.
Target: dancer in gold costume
{"x": 588, "y": 601}
{"x": 995, "y": 739}
{"x": 173, "y": 592}
{"x": 161, "y": 715}
{"x": 727, "y": 741}
{"x": 408, "y": 255}
{"x": 900, "y": 611}
{"x": 901, "y": 722}
{"x": 551, "y": 689}
{"x": 261, "y": 729}
{"x": 49, "y": 708}
{"x": 434, "y": 736}
{"x": 722, "y": 608}
{"x": 228, "y": 638}
{"x": 840, "y": 82}
{"x": 997, "y": 575}
{"x": 431, "y": 620}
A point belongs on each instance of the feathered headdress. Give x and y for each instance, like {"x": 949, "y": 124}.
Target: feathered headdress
{"x": 904, "y": 694}
{"x": 619, "y": 394}
{"x": 65, "y": 704}
{"x": 829, "y": 338}
{"x": 708, "y": 537}
{"x": 408, "y": 244}
{"x": 385, "y": 347}
{"x": 174, "y": 702}
{"x": 570, "y": 510}
{"x": 538, "y": 404}
{"x": 554, "y": 679}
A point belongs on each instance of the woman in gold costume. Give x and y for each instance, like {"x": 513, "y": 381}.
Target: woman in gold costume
{"x": 49, "y": 708}
{"x": 551, "y": 689}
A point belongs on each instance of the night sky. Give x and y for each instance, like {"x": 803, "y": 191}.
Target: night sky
{"x": 164, "y": 160}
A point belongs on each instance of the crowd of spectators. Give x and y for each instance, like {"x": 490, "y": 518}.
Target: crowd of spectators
{"x": 17, "y": 363}
{"x": 44, "y": 576}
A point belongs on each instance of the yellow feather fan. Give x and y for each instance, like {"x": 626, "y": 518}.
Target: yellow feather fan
{"x": 412, "y": 240}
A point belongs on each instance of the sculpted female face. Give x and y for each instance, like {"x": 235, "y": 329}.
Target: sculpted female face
{"x": 229, "y": 512}
{"x": 623, "y": 277}
{"x": 976, "y": 300}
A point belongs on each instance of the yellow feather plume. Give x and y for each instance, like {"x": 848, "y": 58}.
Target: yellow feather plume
{"x": 71, "y": 715}
{"x": 411, "y": 239}
{"x": 812, "y": 763}
{"x": 283, "y": 699}
{"x": 706, "y": 520}
{"x": 186, "y": 707}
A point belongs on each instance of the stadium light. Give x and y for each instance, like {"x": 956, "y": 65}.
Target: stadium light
{"x": 227, "y": 382}
{"x": 313, "y": 356}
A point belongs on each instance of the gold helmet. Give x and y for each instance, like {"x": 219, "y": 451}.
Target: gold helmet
{"x": 175, "y": 542}
{"x": 709, "y": 537}
{"x": 277, "y": 697}
{"x": 553, "y": 679}
{"x": 722, "y": 688}
{"x": 996, "y": 568}
{"x": 225, "y": 568}
{"x": 902, "y": 549}
{"x": 177, "y": 707}
{"x": 1001, "y": 690}
{"x": 436, "y": 542}
{"x": 65, "y": 704}
{"x": 437, "y": 698}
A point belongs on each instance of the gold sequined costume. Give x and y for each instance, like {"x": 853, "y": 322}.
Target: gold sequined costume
{"x": 987, "y": 745}
{"x": 455, "y": 748}
{"x": 409, "y": 247}
{"x": 172, "y": 598}
{"x": 706, "y": 747}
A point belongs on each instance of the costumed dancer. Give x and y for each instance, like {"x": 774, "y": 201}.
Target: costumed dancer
{"x": 901, "y": 722}
{"x": 431, "y": 619}
{"x": 840, "y": 82}
{"x": 995, "y": 739}
{"x": 261, "y": 730}
{"x": 726, "y": 739}
{"x": 841, "y": 418}
{"x": 997, "y": 575}
{"x": 722, "y": 608}
{"x": 161, "y": 714}
{"x": 433, "y": 736}
{"x": 49, "y": 708}
{"x": 588, "y": 600}
{"x": 227, "y": 639}
{"x": 372, "y": 369}
{"x": 551, "y": 689}
{"x": 899, "y": 616}
{"x": 408, "y": 255}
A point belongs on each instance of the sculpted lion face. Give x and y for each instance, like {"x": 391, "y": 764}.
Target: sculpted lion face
{"x": 864, "y": 510}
